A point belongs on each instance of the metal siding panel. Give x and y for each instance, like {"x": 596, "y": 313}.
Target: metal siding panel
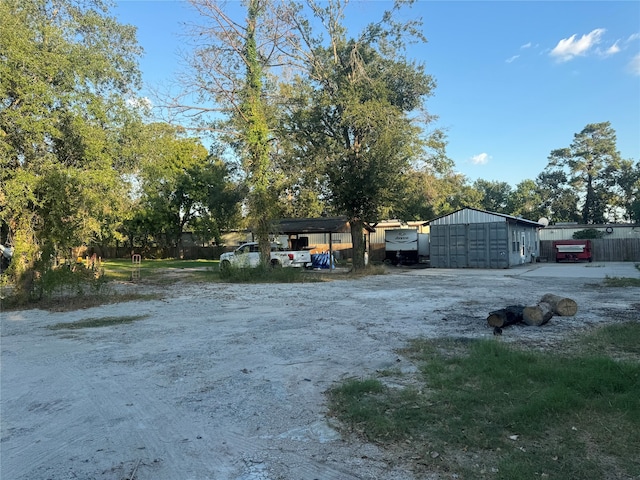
{"x": 499, "y": 245}
{"x": 478, "y": 245}
{"x": 439, "y": 246}
{"x": 458, "y": 246}
{"x": 467, "y": 216}
{"x": 488, "y": 245}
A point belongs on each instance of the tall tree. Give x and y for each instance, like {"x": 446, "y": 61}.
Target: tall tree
{"x": 495, "y": 195}
{"x": 356, "y": 120}
{"x": 589, "y": 163}
{"x": 525, "y": 201}
{"x": 558, "y": 201}
{"x": 67, "y": 69}
{"x": 180, "y": 184}
{"x": 624, "y": 190}
{"x": 233, "y": 51}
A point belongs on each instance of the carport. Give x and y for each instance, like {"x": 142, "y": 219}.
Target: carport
{"x": 305, "y": 232}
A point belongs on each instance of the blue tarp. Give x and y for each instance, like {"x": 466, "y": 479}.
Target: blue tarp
{"x": 321, "y": 260}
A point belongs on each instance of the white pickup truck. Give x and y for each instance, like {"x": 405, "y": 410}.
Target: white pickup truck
{"x": 247, "y": 255}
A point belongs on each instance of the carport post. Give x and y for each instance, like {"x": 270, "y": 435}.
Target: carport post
{"x": 330, "y": 251}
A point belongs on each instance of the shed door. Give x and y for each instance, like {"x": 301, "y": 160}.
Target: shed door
{"x": 488, "y": 245}
{"x": 458, "y": 251}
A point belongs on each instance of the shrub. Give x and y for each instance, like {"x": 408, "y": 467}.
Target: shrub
{"x": 588, "y": 233}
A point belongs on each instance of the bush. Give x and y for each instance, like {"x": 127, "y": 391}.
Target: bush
{"x": 587, "y": 234}
{"x": 68, "y": 281}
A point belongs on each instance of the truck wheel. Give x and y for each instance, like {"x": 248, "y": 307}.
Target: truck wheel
{"x": 225, "y": 265}
{"x": 275, "y": 264}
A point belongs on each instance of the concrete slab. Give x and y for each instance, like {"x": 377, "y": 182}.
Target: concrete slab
{"x": 558, "y": 270}
{"x": 582, "y": 270}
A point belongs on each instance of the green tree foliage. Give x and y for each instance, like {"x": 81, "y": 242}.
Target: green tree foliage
{"x": 257, "y": 134}
{"x": 526, "y": 201}
{"x": 558, "y": 201}
{"x": 229, "y": 68}
{"x": 588, "y": 233}
{"x": 354, "y": 115}
{"x": 495, "y": 195}
{"x": 633, "y": 200}
{"x": 624, "y": 191}
{"x": 180, "y": 184}
{"x": 590, "y": 163}
{"x": 67, "y": 69}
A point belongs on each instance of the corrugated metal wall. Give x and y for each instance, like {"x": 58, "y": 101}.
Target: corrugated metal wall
{"x": 564, "y": 232}
{"x": 467, "y": 216}
{"x": 475, "y": 245}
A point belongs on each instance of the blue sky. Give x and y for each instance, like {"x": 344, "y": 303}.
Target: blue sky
{"x": 516, "y": 79}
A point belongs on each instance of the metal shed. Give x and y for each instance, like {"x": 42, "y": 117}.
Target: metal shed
{"x": 472, "y": 238}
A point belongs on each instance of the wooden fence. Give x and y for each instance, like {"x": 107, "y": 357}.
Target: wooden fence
{"x": 602, "y": 250}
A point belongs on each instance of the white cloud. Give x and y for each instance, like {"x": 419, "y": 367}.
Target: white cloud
{"x": 633, "y": 37}
{"x": 634, "y": 65}
{"x": 526, "y": 45}
{"x": 571, "y": 47}
{"x": 480, "y": 159}
{"x": 612, "y": 50}
{"x": 511, "y": 59}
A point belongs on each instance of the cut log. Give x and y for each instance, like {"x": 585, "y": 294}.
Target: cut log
{"x": 537, "y": 315}
{"x": 565, "y": 307}
{"x": 505, "y": 316}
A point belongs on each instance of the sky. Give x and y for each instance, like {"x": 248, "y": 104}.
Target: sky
{"x": 515, "y": 79}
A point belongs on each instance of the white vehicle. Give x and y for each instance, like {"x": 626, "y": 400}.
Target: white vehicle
{"x": 247, "y": 255}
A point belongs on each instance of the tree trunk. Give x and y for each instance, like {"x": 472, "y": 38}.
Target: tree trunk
{"x": 537, "y": 315}
{"x": 565, "y": 307}
{"x": 505, "y": 316}
{"x": 358, "y": 244}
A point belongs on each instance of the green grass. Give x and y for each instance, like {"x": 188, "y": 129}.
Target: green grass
{"x": 97, "y": 322}
{"x": 155, "y": 270}
{"x": 621, "y": 282}
{"x": 498, "y": 412}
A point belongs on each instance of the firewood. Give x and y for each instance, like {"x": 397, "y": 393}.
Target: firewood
{"x": 565, "y": 307}
{"x": 505, "y": 316}
{"x": 537, "y": 315}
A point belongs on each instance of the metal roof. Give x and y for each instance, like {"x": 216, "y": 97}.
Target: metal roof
{"x": 475, "y": 215}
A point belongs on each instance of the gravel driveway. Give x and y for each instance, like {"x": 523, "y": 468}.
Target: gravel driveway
{"x": 227, "y": 382}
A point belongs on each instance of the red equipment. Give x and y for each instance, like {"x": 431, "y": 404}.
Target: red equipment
{"x": 572, "y": 250}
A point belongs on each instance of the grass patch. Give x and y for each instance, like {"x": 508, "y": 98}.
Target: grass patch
{"x": 482, "y": 409}
{"x": 265, "y": 274}
{"x": 75, "y": 302}
{"x": 617, "y": 341}
{"x": 97, "y": 322}
{"x": 621, "y": 282}
{"x": 156, "y": 270}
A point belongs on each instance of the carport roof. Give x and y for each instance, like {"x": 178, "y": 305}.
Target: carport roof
{"x": 290, "y": 226}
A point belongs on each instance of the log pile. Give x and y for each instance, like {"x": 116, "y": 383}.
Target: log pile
{"x": 533, "y": 315}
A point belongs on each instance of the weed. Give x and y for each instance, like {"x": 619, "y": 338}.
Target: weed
{"x": 568, "y": 416}
{"x": 621, "y": 282}
{"x": 263, "y": 274}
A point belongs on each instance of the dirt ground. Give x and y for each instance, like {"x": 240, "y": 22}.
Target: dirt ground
{"x": 227, "y": 382}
